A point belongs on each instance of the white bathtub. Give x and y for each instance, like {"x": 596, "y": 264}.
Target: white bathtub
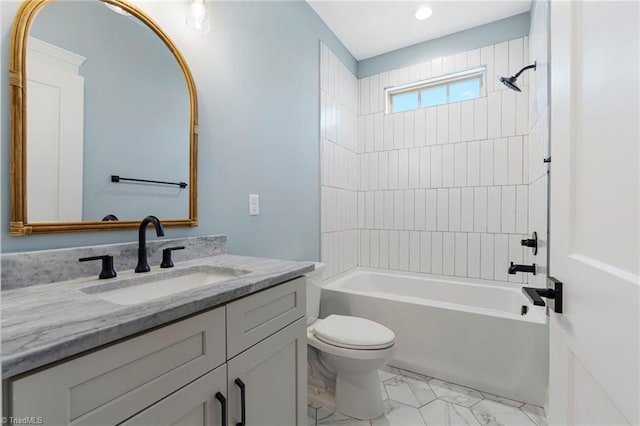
{"x": 469, "y": 332}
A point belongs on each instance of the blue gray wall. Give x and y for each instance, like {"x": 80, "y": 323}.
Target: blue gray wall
{"x": 257, "y": 74}
{"x": 494, "y": 32}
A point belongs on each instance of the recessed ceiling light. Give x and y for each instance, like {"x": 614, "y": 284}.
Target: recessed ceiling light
{"x": 423, "y": 13}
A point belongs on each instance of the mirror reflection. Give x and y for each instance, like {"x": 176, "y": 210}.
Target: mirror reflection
{"x": 105, "y": 96}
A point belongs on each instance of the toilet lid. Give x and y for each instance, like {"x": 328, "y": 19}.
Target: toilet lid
{"x": 353, "y": 332}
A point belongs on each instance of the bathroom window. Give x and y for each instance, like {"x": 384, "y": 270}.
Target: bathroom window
{"x": 456, "y": 87}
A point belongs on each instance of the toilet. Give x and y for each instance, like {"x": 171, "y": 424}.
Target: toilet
{"x": 344, "y": 354}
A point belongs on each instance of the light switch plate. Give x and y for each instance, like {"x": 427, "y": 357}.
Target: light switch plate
{"x": 254, "y": 204}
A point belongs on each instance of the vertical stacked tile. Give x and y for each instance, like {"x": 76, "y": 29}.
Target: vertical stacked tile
{"x": 339, "y": 164}
{"x": 444, "y": 189}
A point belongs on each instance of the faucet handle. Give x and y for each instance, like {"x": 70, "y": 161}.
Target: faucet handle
{"x": 166, "y": 256}
{"x": 107, "y": 265}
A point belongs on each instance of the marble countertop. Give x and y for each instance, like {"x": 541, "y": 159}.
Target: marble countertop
{"x": 46, "y": 323}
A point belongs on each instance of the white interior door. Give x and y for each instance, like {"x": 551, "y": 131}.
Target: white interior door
{"x": 55, "y": 100}
{"x": 594, "y": 213}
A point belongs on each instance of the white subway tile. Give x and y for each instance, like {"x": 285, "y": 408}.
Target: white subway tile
{"x": 331, "y": 122}
{"x": 393, "y": 78}
{"x": 398, "y": 130}
{"x": 467, "y": 125}
{"x": 516, "y": 51}
{"x": 515, "y": 160}
{"x": 374, "y": 252}
{"x": 383, "y": 169}
{"x": 414, "y": 73}
{"x": 398, "y": 209}
{"x": 403, "y": 168}
{"x": 501, "y": 61}
{"x": 522, "y": 201}
{"x": 473, "y": 163}
{"x": 403, "y": 250}
{"x": 414, "y": 168}
{"x": 500, "y": 161}
{"x": 480, "y": 209}
{"x": 369, "y": 208}
{"x": 473, "y": 255}
{"x": 473, "y": 58}
{"x": 323, "y": 114}
{"x": 420, "y": 210}
{"x": 501, "y": 257}
{"x": 393, "y": 250}
{"x": 486, "y": 162}
{"x": 494, "y": 115}
{"x": 324, "y": 251}
{"x": 436, "y": 166}
{"x": 393, "y": 169}
{"x": 378, "y": 132}
{"x": 425, "y": 70}
{"x": 448, "y": 166}
{"x": 486, "y": 256}
{"x": 332, "y": 74}
{"x": 436, "y": 67}
{"x": 361, "y": 209}
{"x": 454, "y": 122}
{"x": 403, "y": 75}
{"x": 480, "y": 118}
{"x": 486, "y": 58}
{"x": 374, "y": 172}
{"x": 361, "y": 133}
{"x": 448, "y": 253}
{"x": 517, "y": 255}
{"x": 369, "y": 128}
{"x": 467, "y": 210}
{"x": 364, "y": 96}
{"x": 364, "y": 248}
{"x": 384, "y": 249}
{"x": 443, "y": 209}
{"x": 409, "y": 209}
{"x": 414, "y": 251}
{"x": 425, "y": 252}
{"x": 494, "y": 198}
{"x": 425, "y": 167}
{"x": 388, "y": 209}
{"x": 455, "y": 214}
{"x": 409, "y": 128}
{"x": 461, "y": 255}
{"x": 508, "y": 209}
{"x": 443, "y": 124}
{"x": 431, "y": 125}
{"x": 364, "y": 172}
{"x": 383, "y": 83}
{"x": 436, "y": 253}
{"x": 508, "y": 113}
{"x": 374, "y": 97}
{"x": 460, "y": 61}
{"x": 431, "y": 209}
{"x": 461, "y": 164}
{"x": 448, "y": 64}
{"x": 388, "y": 132}
{"x": 525, "y": 159}
{"x": 324, "y": 67}
{"x": 522, "y": 112}
{"x": 420, "y": 127}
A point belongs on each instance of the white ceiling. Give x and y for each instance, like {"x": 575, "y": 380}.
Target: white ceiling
{"x": 370, "y": 28}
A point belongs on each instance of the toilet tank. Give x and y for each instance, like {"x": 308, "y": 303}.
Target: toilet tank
{"x": 314, "y": 287}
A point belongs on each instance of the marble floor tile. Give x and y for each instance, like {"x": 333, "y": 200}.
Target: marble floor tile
{"x": 536, "y": 414}
{"x": 409, "y": 391}
{"x": 340, "y": 419}
{"x": 387, "y": 372}
{"x": 441, "y": 412}
{"x": 397, "y": 414}
{"x": 413, "y": 375}
{"x": 311, "y": 421}
{"x": 454, "y": 393}
{"x": 383, "y": 392}
{"x": 494, "y": 413}
{"x": 502, "y": 399}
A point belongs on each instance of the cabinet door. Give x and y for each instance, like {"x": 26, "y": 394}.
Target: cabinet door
{"x": 194, "y": 405}
{"x": 274, "y": 373}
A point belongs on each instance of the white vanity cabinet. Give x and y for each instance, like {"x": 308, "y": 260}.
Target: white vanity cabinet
{"x": 185, "y": 373}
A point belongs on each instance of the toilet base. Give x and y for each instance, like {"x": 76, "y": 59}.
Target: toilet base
{"x": 359, "y": 396}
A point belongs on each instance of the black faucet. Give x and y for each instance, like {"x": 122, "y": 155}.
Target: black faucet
{"x": 143, "y": 266}
{"x": 522, "y": 268}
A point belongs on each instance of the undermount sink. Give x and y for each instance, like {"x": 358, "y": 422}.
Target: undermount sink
{"x": 138, "y": 289}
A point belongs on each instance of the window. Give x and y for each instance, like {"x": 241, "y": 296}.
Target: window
{"x": 456, "y": 87}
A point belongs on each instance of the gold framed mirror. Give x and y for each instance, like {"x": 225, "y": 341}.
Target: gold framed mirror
{"x": 91, "y": 187}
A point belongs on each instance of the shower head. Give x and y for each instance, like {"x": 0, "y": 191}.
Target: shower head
{"x": 510, "y": 82}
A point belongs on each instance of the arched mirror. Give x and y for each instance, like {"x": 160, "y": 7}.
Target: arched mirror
{"x": 103, "y": 120}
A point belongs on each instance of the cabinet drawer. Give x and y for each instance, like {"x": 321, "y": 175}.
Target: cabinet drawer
{"x": 259, "y": 315}
{"x": 112, "y": 384}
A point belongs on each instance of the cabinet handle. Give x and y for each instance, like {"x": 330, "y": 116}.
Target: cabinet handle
{"x": 223, "y": 403}
{"x": 243, "y": 403}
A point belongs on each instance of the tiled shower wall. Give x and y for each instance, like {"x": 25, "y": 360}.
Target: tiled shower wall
{"x": 444, "y": 189}
{"x": 338, "y": 165}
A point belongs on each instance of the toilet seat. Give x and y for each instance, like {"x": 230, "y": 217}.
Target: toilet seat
{"x": 353, "y": 333}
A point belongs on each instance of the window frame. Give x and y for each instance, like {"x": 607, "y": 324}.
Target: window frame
{"x": 443, "y": 80}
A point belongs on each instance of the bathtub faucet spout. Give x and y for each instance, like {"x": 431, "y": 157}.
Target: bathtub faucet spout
{"x": 522, "y": 268}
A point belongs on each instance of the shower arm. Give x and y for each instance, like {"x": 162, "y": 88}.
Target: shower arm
{"x": 528, "y": 67}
